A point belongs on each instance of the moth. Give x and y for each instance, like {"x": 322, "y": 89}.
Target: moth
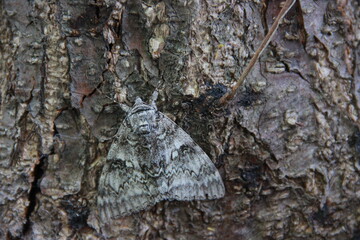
{"x": 153, "y": 159}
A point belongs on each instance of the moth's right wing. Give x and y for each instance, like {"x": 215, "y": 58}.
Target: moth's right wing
{"x": 189, "y": 172}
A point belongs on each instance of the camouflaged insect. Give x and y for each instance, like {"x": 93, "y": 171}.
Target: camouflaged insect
{"x": 152, "y": 159}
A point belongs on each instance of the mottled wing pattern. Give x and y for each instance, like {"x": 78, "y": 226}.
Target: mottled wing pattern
{"x": 123, "y": 187}
{"x": 189, "y": 172}
{"x": 153, "y": 159}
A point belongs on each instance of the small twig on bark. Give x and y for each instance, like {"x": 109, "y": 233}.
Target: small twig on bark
{"x": 286, "y": 7}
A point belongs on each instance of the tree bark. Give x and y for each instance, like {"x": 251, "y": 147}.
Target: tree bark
{"x": 287, "y": 145}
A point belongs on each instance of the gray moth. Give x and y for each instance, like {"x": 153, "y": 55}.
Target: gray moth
{"x": 152, "y": 159}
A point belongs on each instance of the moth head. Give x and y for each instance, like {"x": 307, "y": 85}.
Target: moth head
{"x": 142, "y": 118}
{"x": 138, "y": 101}
{"x": 129, "y": 110}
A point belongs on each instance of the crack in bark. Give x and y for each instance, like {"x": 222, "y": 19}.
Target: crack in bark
{"x": 35, "y": 188}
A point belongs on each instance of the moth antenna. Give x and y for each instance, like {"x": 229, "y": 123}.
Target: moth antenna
{"x": 153, "y": 98}
{"x": 125, "y": 107}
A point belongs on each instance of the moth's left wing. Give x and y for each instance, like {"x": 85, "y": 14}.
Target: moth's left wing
{"x": 124, "y": 188}
{"x": 189, "y": 172}
{"x": 123, "y": 191}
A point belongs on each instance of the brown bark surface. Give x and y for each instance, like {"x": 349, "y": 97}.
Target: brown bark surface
{"x": 287, "y": 146}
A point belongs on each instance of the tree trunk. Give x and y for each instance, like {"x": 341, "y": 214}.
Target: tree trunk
{"x": 287, "y": 145}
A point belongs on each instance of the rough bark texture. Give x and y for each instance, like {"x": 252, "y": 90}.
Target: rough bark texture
{"x": 287, "y": 146}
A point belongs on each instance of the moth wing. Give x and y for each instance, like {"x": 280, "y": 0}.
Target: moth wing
{"x": 189, "y": 172}
{"x": 123, "y": 188}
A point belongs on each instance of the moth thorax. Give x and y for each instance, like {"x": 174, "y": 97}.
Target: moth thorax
{"x": 142, "y": 119}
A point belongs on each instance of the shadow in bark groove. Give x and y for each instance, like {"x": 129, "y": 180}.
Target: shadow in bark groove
{"x": 35, "y": 189}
